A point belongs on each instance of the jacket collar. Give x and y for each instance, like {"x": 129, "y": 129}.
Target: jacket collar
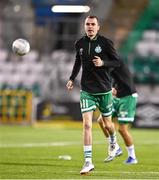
{"x": 94, "y": 39}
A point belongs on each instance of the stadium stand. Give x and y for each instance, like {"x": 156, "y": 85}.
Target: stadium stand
{"x": 132, "y": 25}
{"x": 121, "y": 19}
{"x": 144, "y": 47}
{"x": 143, "y": 23}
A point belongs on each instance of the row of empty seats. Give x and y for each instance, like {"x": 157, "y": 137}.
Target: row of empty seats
{"x": 7, "y": 55}
{"x": 146, "y": 70}
{"x": 151, "y": 35}
{"x": 149, "y": 44}
{"x": 50, "y": 73}
{"x": 146, "y": 62}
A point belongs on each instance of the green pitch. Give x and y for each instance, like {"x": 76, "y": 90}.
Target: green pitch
{"x": 33, "y": 153}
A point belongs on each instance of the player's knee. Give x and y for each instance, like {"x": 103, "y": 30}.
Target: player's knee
{"x": 87, "y": 126}
{"x": 109, "y": 126}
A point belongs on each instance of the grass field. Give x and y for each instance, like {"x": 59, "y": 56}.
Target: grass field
{"x": 32, "y": 153}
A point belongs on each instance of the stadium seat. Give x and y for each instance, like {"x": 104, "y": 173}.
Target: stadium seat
{"x": 155, "y": 49}
{"x": 3, "y": 55}
{"x": 31, "y": 57}
{"x": 142, "y": 48}
{"x": 150, "y": 35}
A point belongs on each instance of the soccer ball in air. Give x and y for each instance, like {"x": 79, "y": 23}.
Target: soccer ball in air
{"x": 21, "y": 47}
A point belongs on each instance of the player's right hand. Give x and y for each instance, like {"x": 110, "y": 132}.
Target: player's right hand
{"x": 69, "y": 85}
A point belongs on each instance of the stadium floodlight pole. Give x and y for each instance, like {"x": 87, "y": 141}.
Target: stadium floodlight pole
{"x": 70, "y": 9}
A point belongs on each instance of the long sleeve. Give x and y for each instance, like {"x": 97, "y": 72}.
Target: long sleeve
{"x": 76, "y": 67}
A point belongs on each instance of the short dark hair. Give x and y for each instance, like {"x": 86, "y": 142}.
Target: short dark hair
{"x": 93, "y": 17}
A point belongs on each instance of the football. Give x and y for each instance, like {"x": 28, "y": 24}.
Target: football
{"x": 20, "y": 47}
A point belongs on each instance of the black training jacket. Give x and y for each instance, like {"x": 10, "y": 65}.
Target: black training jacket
{"x": 94, "y": 79}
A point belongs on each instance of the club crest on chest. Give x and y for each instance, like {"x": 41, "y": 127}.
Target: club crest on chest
{"x": 98, "y": 49}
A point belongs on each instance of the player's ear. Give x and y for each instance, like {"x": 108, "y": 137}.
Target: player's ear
{"x": 98, "y": 27}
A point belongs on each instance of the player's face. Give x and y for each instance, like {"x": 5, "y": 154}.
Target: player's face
{"x": 91, "y": 27}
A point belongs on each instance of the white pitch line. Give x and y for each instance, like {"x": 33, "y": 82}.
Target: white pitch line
{"x": 120, "y": 172}
{"x": 64, "y": 143}
{"x": 127, "y": 172}
{"x": 49, "y": 144}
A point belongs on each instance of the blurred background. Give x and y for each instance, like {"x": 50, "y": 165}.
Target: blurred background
{"x": 32, "y": 87}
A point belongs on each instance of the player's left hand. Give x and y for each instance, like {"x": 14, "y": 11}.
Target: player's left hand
{"x": 114, "y": 92}
{"x": 97, "y": 61}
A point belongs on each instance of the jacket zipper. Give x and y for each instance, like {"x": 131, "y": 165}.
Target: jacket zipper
{"x": 89, "y": 48}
